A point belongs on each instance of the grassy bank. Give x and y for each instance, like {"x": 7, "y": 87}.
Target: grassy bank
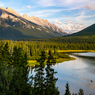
{"x": 75, "y": 51}
{"x": 34, "y": 62}
{"x": 59, "y": 60}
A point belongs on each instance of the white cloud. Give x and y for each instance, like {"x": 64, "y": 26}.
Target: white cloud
{"x": 57, "y": 22}
{"x": 65, "y": 3}
{"x": 69, "y": 26}
{"x": 44, "y": 13}
{"x": 82, "y": 18}
{"x": 46, "y": 2}
{"x": 70, "y": 22}
{"x": 89, "y": 7}
{"x": 28, "y": 6}
{"x": 94, "y": 15}
{"x": 1, "y": 4}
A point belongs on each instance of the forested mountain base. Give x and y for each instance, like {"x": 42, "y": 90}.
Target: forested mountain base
{"x": 33, "y": 48}
{"x": 68, "y": 39}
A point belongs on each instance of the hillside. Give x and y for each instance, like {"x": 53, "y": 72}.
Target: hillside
{"x": 14, "y": 26}
{"x": 85, "y": 36}
{"x": 87, "y": 31}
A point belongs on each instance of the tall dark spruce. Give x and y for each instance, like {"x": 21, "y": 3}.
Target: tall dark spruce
{"x": 81, "y": 92}
{"x": 50, "y": 80}
{"x": 67, "y": 91}
{"x": 22, "y": 84}
{"x": 39, "y": 87}
{"x": 14, "y": 72}
{"x": 6, "y": 71}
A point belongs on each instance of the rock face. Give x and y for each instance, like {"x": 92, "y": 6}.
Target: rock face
{"x": 41, "y": 22}
{"x": 8, "y": 9}
{"x": 44, "y": 24}
{"x": 37, "y": 28}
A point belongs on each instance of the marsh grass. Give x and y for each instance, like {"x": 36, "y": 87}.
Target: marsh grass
{"x": 75, "y": 51}
{"x": 59, "y": 60}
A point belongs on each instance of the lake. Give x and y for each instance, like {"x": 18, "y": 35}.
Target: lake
{"x": 78, "y": 73}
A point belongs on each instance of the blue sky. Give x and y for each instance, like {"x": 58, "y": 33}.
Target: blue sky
{"x": 70, "y": 15}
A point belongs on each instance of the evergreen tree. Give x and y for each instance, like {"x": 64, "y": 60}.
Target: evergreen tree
{"x": 67, "y": 91}
{"x": 14, "y": 73}
{"x": 31, "y": 52}
{"x": 6, "y": 72}
{"x": 50, "y": 80}
{"x": 39, "y": 87}
{"x": 5, "y": 53}
{"x": 81, "y": 92}
{"x": 6, "y": 79}
{"x": 22, "y": 84}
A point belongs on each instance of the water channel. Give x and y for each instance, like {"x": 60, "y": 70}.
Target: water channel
{"x": 78, "y": 73}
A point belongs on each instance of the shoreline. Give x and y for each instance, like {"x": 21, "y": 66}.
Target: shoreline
{"x": 75, "y": 51}
{"x": 60, "y": 60}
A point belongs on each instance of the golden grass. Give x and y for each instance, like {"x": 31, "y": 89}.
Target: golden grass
{"x": 71, "y": 51}
{"x": 64, "y": 59}
{"x": 32, "y": 62}
{"x": 91, "y": 50}
{"x": 60, "y": 60}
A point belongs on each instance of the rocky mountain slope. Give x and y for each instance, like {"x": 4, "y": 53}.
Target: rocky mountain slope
{"x": 14, "y": 26}
{"x": 44, "y": 23}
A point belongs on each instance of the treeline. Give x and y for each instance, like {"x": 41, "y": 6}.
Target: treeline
{"x": 67, "y": 39}
{"x": 33, "y": 48}
{"x": 14, "y": 74}
{"x": 74, "y": 39}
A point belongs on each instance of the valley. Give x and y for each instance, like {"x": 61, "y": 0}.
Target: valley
{"x": 42, "y": 58}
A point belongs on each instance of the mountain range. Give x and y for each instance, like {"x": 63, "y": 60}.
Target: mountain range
{"x": 14, "y": 26}
{"x": 86, "y": 35}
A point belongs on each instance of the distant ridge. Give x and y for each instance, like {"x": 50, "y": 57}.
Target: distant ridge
{"x": 87, "y": 31}
{"x": 14, "y": 26}
{"x": 86, "y": 35}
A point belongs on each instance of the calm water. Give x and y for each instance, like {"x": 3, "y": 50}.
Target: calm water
{"x": 78, "y": 73}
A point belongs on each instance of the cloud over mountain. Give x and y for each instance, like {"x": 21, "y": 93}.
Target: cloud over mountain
{"x": 69, "y": 26}
{"x": 28, "y": 6}
{"x": 94, "y": 15}
{"x": 89, "y": 7}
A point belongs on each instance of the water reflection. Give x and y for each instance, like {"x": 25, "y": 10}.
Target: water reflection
{"x": 31, "y": 69}
{"x": 88, "y": 54}
{"x": 78, "y": 73}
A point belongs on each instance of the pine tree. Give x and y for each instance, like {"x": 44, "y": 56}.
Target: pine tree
{"x": 6, "y": 79}
{"x": 5, "y": 53}
{"x": 14, "y": 73}
{"x": 31, "y": 52}
{"x": 39, "y": 87}
{"x": 81, "y": 92}
{"x": 67, "y": 91}
{"x": 6, "y": 72}
{"x": 22, "y": 84}
{"x": 50, "y": 80}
